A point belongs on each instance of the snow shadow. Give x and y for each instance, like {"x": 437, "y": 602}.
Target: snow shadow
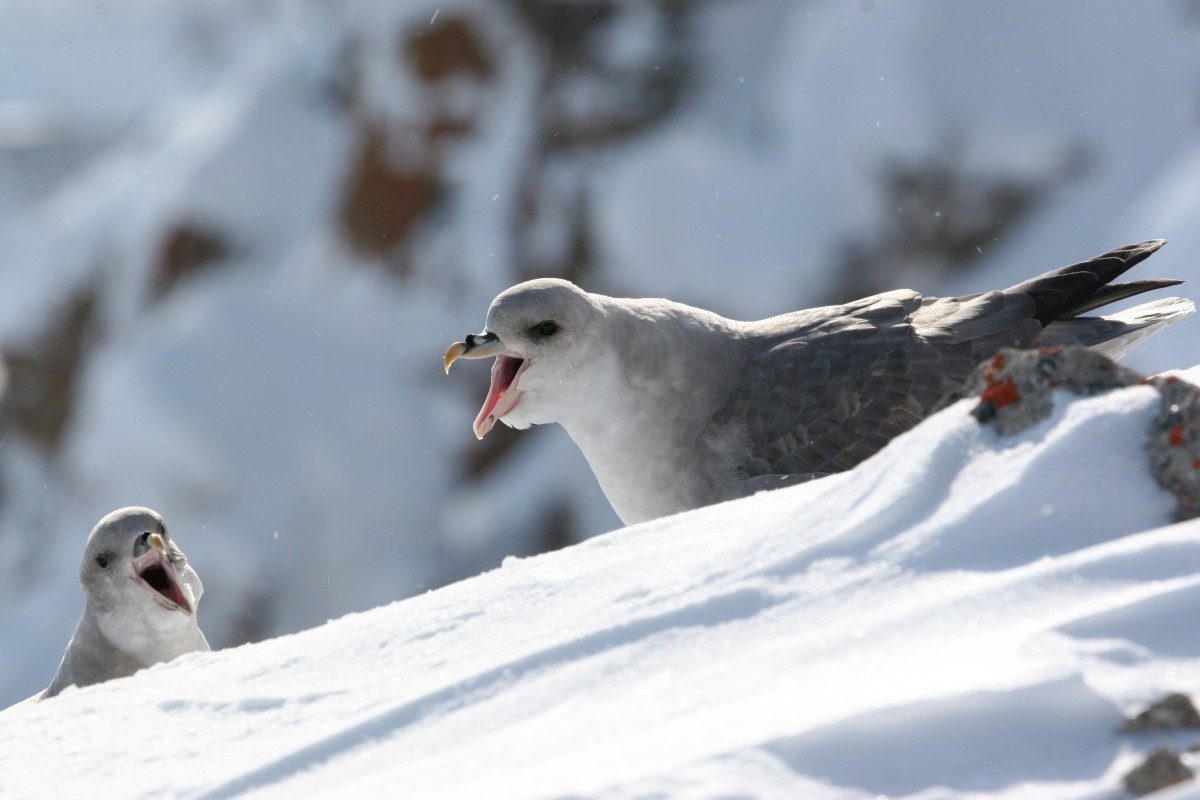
{"x": 980, "y": 741}
{"x": 951, "y": 495}
{"x": 1167, "y": 624}
{"x": 1074, "y": 481}
{"x": 710, "y": 612}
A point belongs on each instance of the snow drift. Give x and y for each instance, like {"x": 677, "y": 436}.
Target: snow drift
{"x": 961, "y": 615}
{"x": 203, "y": 311}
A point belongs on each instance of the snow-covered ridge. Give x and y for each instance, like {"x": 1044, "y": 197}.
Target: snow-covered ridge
{"x": 963, "y": 614}
{"x": 235, "y": 343}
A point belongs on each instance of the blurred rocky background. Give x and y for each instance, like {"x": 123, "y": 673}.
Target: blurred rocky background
{"x": 236, "y": 236}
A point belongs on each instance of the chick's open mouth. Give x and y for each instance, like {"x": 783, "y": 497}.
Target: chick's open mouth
{"x": 157, "y": 574}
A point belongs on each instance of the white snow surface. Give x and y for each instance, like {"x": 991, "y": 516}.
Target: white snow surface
{"x": 963, "y": 615}
{"x": 285, "y": 409}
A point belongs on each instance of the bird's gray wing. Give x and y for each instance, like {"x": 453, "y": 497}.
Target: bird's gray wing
{"x": 832, "y": 391}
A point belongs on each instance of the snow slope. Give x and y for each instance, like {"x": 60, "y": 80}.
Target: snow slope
{"x": 960, "y": 616}
{"x": 289, "y": 392}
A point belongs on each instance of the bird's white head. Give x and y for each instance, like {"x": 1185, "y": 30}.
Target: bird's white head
{"x": 547, "y": 338}
{"x": 135, "y": 576}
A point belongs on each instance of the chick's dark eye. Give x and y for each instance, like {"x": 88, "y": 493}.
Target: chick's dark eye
{"x": 102, "y": 561}
{"x": 546, "y": 328}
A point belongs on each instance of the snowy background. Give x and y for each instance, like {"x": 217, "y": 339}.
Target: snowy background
{"x": 235, "y": 238}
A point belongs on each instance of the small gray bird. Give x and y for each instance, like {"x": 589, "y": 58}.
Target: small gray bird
{"x": 140, "y": 598}
{"x": 676, "y": 407}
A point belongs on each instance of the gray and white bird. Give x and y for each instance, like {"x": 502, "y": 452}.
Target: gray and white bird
{"x": 675, "y": 407}
{"x": 140, "y": 599}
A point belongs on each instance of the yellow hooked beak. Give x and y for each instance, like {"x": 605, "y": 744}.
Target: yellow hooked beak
{"x": 483, "y": 345}
{"x": 155, "y": 540}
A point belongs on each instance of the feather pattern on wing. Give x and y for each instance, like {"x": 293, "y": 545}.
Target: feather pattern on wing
{"x": 832, "y": 386}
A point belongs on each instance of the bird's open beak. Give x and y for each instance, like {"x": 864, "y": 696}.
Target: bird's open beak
{"x": 502, "y": 394}
{"x": 483, "y": 345}
{"x": 154, "y": 570}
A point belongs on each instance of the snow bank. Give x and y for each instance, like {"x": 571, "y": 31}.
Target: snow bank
{"x": 285, "y": 398}
{"x": 961, "y": 615}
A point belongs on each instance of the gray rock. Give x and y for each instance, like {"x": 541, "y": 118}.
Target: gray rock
{"x": 1162, "y": 768}
{"x": 1170, "y": 713}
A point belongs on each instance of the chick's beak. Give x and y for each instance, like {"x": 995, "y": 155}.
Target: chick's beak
{"x": 483, "y": 345}
{"x": 155, "y": 540}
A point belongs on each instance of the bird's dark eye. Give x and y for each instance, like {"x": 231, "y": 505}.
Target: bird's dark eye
{"x": 102, "y": 561}
{"x": 547, "y": 328}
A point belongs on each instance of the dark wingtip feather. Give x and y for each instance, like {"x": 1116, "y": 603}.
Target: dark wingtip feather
{"x": 1072, "y": 290}
{"x": 1133, "y": 254}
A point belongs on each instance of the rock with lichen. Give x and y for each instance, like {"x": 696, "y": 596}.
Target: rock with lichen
{"x": 1174, "y": 446}
{"x": 1015, "y": 387}
{"x": 1015, "y": 390}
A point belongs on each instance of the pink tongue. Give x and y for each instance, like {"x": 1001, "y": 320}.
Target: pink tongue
{"x": 504, "y": 369}
{"x": 176, "y": 596}
{"x": 158, "y": 576}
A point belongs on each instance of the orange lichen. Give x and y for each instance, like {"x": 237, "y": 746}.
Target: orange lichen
{"x": 1000, "y": 393}
{"x": 1175, "y": 436}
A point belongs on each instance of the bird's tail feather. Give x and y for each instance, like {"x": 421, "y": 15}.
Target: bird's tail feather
{"x": 1116, "y": 334}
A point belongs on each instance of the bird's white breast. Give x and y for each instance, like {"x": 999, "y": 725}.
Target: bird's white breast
{"x": 644, "y": 469}
{"x": 140, "y": 627}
